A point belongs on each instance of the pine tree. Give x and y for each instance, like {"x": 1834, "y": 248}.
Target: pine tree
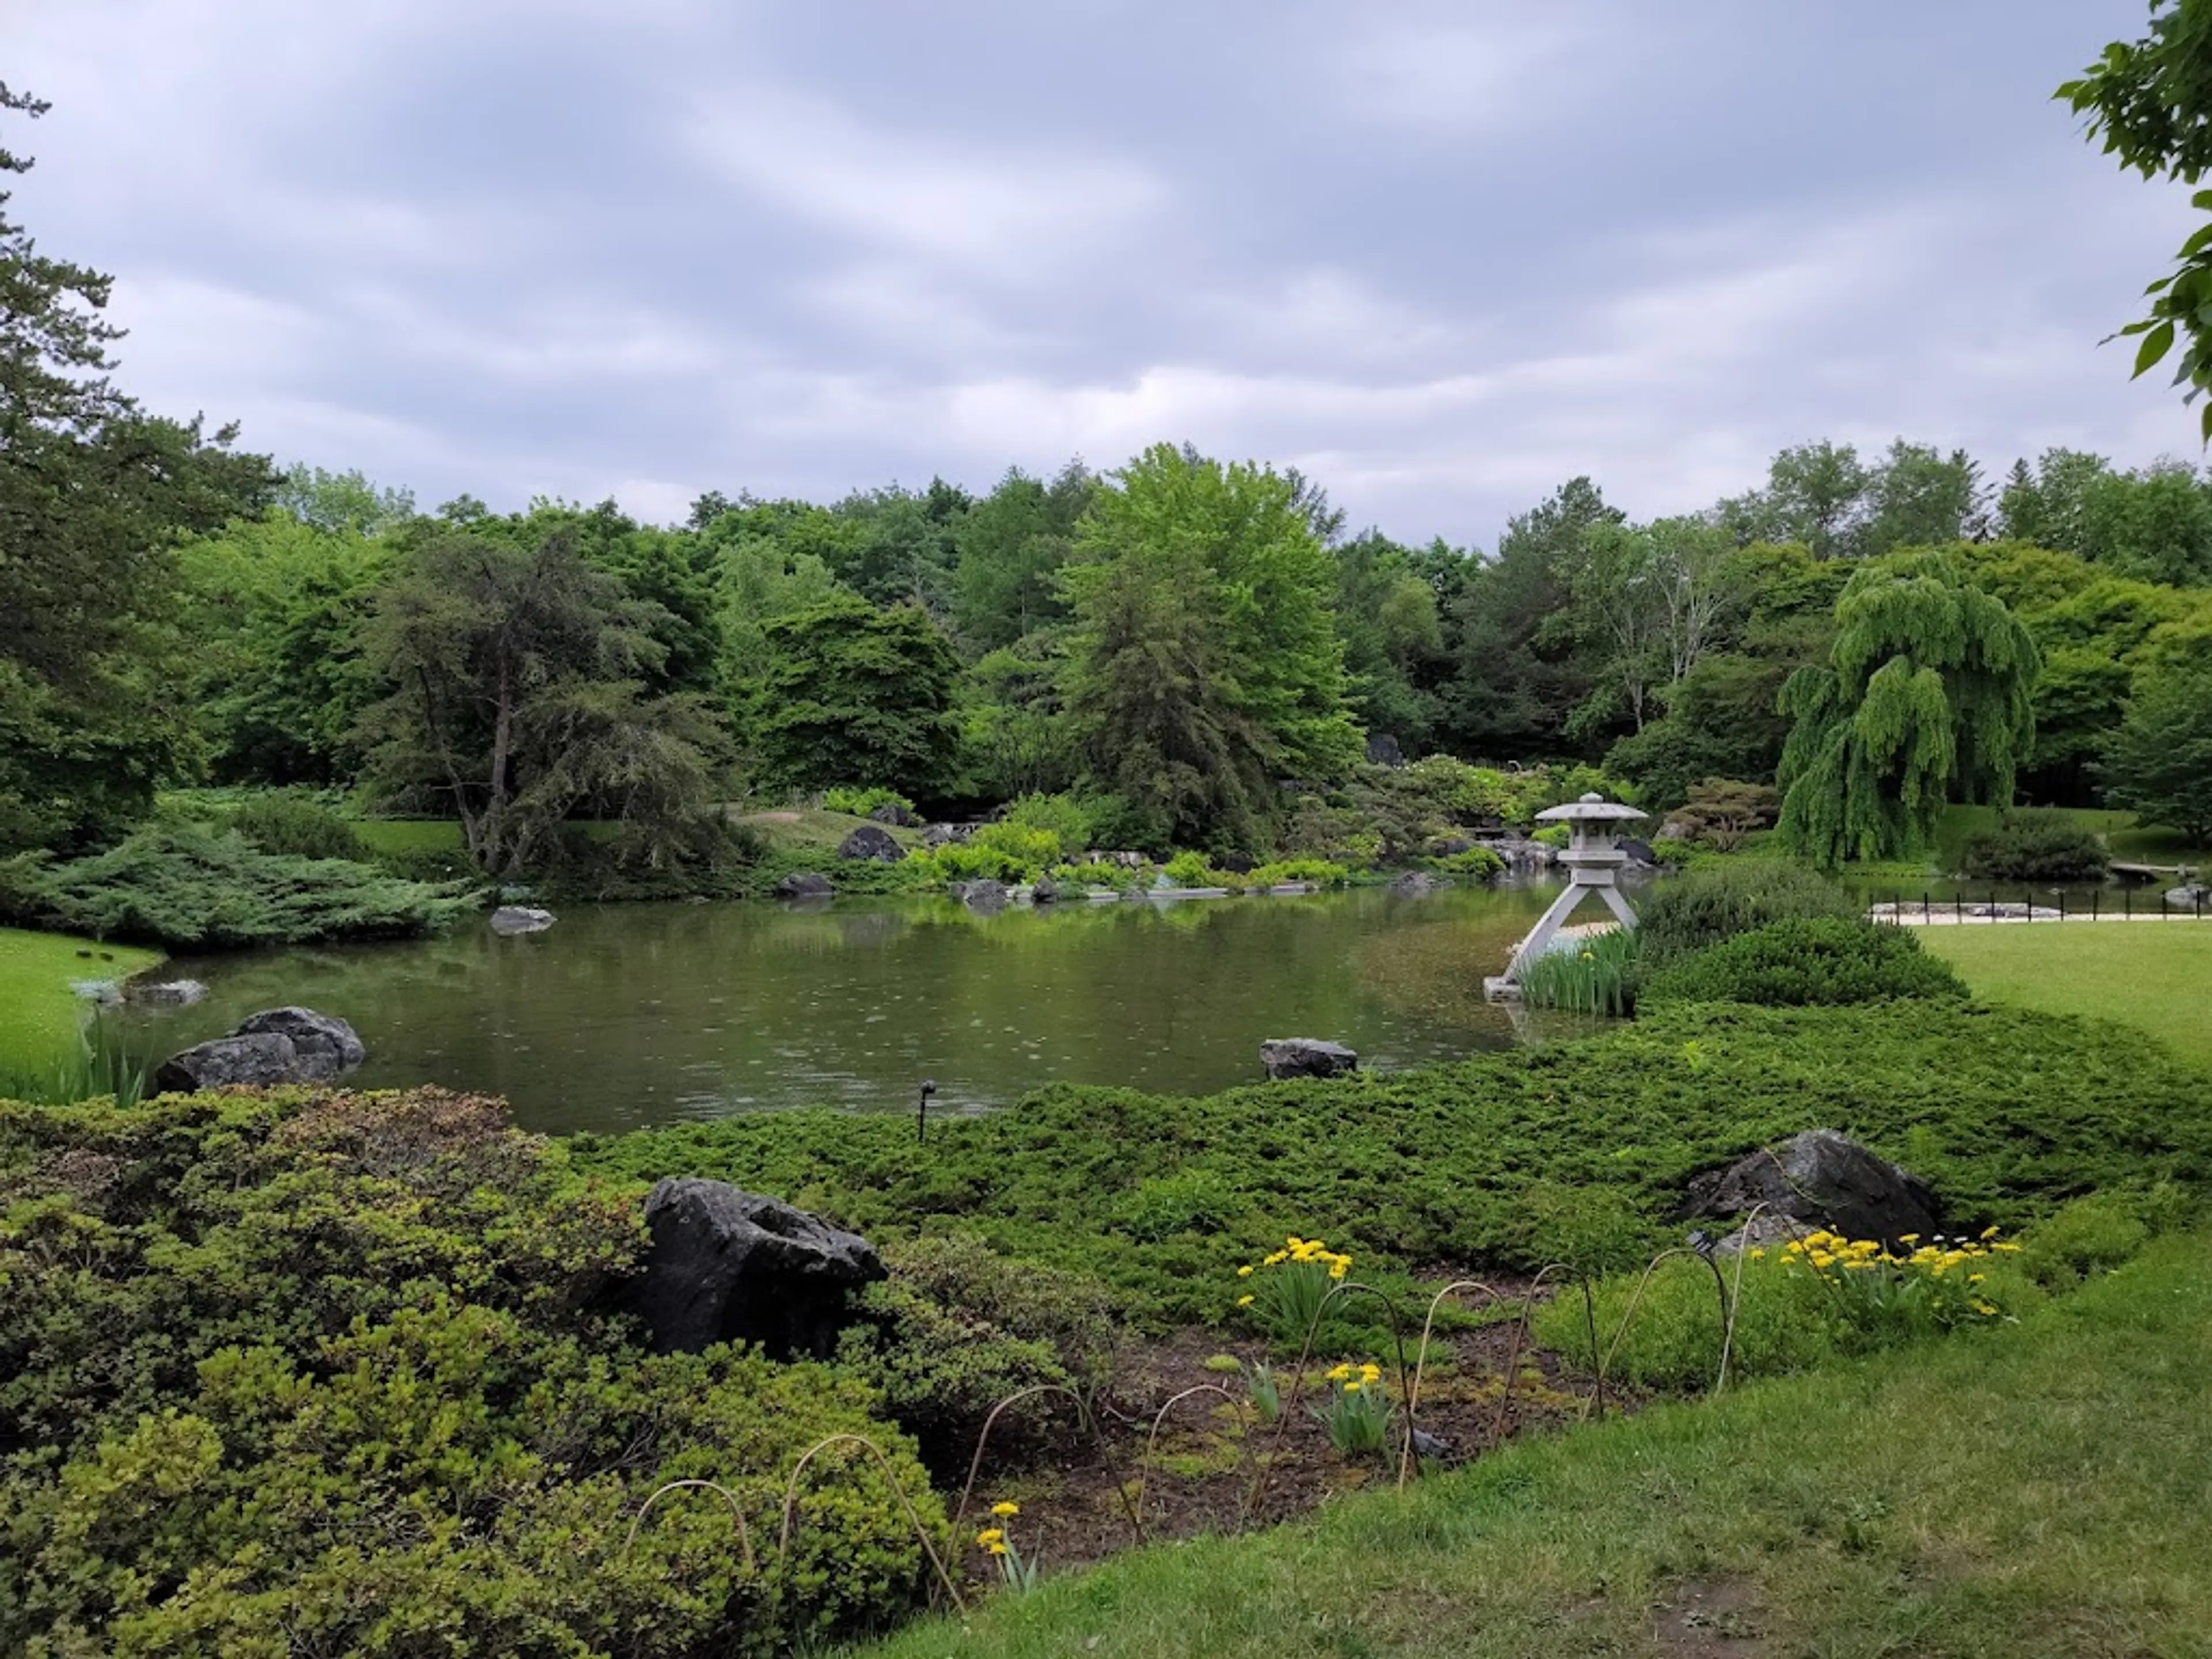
{"x": 1926, "y": 693}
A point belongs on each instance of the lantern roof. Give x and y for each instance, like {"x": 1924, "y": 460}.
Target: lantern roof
{"x": 1591, "y": 809}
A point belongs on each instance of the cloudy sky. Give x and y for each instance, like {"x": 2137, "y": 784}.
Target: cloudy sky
{"x": 1441, "y": 256}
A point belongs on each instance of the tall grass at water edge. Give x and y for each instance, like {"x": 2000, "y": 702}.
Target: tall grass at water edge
{"x": 1595, "y": 974}
{"x": 85, "y": 1072}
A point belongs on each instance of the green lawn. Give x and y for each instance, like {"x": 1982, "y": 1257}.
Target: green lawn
{"x": 2034, "y": 1490}
{"x": 409, "y": 835}
{"x": 2154, "y": 976}
{"x": 40, "y": 1015}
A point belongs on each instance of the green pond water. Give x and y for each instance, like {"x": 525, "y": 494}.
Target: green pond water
{"x": 625, "y": 1016}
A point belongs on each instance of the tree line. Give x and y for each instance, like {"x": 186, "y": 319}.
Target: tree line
{"x": 1184, "y": 643}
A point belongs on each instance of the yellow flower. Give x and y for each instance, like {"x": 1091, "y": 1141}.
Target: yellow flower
{"x": 1909, "y": 1238}
{"x": 1243, "y": 1300}
{"x": 1988, "y": 1232}
{"x": 1244, "y": 1272}
{"x": 1758, "y": 1254}
{"x": 1337, "y": 1271}
{"x": 1976, "y": 1279}
{"x": 1352, "y": 1385}
{"x": 1337, "y": 1373}
{"x": 1984, "y": 1309}
{"x": 1005, "y": 1510}
{"x": 991, "y": 1535}
{"x": 1000, "y": 1549}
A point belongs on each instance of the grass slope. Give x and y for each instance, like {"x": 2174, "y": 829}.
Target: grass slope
{"x": 2154, "y": 976}
{"x": 40, "y": 1015}
{"x": 2028, "y": 1492}
{"x": 1572, "y": 1151}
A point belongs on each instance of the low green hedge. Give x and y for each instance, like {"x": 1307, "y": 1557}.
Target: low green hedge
{"x": 1812, "y": 963}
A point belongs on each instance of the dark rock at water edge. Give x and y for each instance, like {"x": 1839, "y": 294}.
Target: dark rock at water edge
{"x": 805, "y": 884}
{"x": 1289, "y": 1057}
{"x": 892, "y": 813}
{"x": 170, "y": 993}
{"x": 982, "y": 894}
{"x": 1044, "y": 891}
{"x": 277, "y": 1046}
{"x": 872, "y": 840}
{"x": 1819, "y": 1178}
{"x": 1413, "y": 883}
{"x": 1444, "y": 847}
{"x": 512, "y": 919}
{"x": 726, "y": 1265}
{"x": 943, "y": 835}
{"x": 1640, "y": 854}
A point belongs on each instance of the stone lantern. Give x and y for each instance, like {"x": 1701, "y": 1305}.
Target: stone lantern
{"x": 1594, "y": 859}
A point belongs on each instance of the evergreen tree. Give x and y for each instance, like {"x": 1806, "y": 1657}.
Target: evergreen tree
{"x": 1928, "y": 689}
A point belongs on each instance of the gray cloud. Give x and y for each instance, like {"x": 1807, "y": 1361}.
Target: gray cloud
{"x": 1441, "y": 256}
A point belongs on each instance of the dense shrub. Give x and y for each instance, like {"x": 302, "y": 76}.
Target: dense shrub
{"x": 2006, "y": 1113}
{"x": 192, "y": 888}
{"x": 1705, "y": 906}
{"x": 1475, "y": 864}
{"x": 957, "y": 1329}
{"x": 338, "y": 1373}
{"x": 1066, "y": 816}
{"x": 2035, "y": 846}
{"x": 1320, "y": 872}
{"x": 1806, "y": 963}
{"x": 294, "y": 826}
{"x": 860, "y": 803}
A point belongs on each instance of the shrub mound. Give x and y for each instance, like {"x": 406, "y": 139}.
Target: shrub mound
{"x": 1821, "y": 961}
{"x": 191, "y": 888}
{"x": 2035, "y": 846}
{"x": 338, "y": 1373}
{"x": 1705, "y": 906}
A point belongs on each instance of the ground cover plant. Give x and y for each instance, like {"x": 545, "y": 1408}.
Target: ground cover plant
{"x": 192, "y": 887}
{"x": 1989, "y": 1495}
{"x": 341, "y": 1373}
{"x": 1575, "y": 1152}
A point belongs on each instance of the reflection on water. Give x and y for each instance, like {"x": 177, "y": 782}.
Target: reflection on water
{"x": 622, "y": 1015}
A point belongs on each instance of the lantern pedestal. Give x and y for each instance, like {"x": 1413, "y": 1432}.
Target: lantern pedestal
{"x": 1594, "y": 862}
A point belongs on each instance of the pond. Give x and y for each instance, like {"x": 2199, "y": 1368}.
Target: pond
{"x": 623, "y": 1016}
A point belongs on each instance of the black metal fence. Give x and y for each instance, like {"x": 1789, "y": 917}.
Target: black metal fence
{"x": 1999, "y": 905}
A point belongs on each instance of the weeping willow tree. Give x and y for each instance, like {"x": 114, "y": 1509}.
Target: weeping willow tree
{"x": 1925, "y": 695}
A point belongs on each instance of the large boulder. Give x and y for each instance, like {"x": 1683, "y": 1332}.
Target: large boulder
{"x": 981, "y": 894}
{"x": 805, "y": 884}
{"x": 511, "y": 919}
{"x": 872, "y": 840}
{"x": 943, "y": 835}
{"x": 1413, "y": 883}
{"x": 1820, "y": 1179}
{"x": 1288, "y": 1057}
{"x": 277, "y": 1046}
{"x": 892, "y": 813}
{"x": 726, "y": 1265}
{"x": 1382, "y": 750}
